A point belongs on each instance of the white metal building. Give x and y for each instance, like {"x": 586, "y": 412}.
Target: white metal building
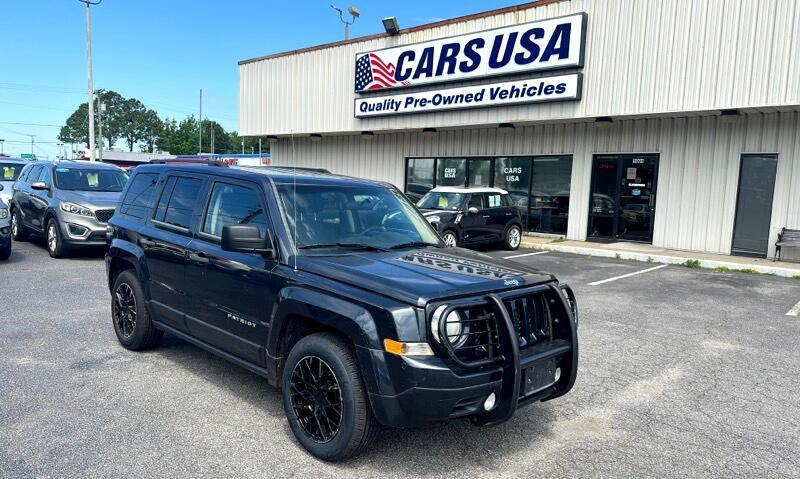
{"x": 675, "y": 122}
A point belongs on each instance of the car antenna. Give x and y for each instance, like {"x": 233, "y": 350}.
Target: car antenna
{"x": 294, "y": 201}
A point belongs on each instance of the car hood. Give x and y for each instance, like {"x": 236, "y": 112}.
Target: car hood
{"x": 91, "y": 199}
{"x": 421, "y": 275}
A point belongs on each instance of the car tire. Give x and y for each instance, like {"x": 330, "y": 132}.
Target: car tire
{"x": 346, "y": 432}
{"x": 450, "y": 238}
{"x": 5, "y": 252}
{"x": 18, "y": 232}
{"x": 132, "y": 323}
{"x": 512, "y": 238}
{"x": 54, "y": 240}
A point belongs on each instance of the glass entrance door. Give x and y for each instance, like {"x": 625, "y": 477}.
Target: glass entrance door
{"x": 754, "y": 205}
{"x": 623, "y": 197}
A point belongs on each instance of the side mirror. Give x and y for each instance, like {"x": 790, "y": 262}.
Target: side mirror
{"x": 245, "y": 239}
{"x": 39, "y": 186}
{"x": 1, "y": 187}
{"x": 472, "y": 210}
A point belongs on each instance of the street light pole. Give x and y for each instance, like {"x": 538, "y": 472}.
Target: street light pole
{"x": 89, "y": 3}
{"x": 1, "y": 145}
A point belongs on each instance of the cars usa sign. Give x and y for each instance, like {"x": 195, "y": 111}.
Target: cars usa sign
{"x": 536, "y": 46}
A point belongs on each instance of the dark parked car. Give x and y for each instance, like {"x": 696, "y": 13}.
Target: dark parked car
{"x": 69, "y": 202}
{"x": 473, "y": 216}
{"x": 5, "y": 229}
{"x": 340, "y": 293}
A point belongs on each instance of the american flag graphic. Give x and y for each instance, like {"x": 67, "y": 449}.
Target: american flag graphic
{"x": 373, "y": 74}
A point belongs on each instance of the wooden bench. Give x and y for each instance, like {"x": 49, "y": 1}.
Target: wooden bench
{"x": 788, "y": 238}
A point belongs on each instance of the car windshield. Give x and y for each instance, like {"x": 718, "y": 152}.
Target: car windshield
{"x": 90, "y": 179}
{"x": 10, "y": 171}
{"x": 348, "y": 218}
{"x": 438, "y": 200}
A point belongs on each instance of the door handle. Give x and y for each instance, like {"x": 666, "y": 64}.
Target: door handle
{"x": 486, "y": 216}
{"x": 509, "y": 214}
{"x": 198, "y": 257}
{"x": 146, "y": 243}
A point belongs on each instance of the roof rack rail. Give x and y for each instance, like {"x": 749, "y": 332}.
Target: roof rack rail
{"x": 299, "y": 168}
{"x": 189, "y": 161}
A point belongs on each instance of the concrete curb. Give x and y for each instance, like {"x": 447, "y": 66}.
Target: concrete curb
{"x": 663, "y": 259}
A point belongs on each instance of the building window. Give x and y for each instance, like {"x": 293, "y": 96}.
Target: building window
{"x": 451, "y": 172}
{"x": 419, "y": 177}
{"x": 549, "y": 198}
{"x": 514, "y": 176}
{"x": 538, "y": 186}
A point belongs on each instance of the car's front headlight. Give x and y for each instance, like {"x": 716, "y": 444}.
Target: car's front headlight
{"x": 75, "y": 209}
{"x": 455, "y": 327}
{"x": 434, "y": 219}
{"x": 3, "y": 213}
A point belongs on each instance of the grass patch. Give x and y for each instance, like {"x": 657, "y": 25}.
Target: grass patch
{"x": 559, "y": 240}
{"x": 725, "y": 269}
{"x": 692, "y": 263}
{"x": 797, "y": 276}
{"x": 618, "y": 256}
{"x": 650, "y": 259}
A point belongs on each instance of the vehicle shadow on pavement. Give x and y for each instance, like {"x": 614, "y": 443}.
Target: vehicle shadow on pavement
{"x": 245, "y": 385}
{"x": 75, "y": 253}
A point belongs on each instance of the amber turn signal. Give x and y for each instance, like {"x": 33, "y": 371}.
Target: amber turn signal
{"x": 407, "y": 349}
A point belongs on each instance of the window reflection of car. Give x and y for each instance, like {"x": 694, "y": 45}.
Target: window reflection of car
{"x": 603, "y": 204}
{"x": 636, "y": 213}
{"x": 471, "y": 216}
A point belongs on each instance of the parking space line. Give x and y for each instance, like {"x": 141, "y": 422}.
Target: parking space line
{"x": 628, "y": 275}
{"x": 526, "y": 254}
{"x": 795, "y": 311}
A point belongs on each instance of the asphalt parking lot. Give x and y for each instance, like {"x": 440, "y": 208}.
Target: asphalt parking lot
{"x": 683, "y": 373}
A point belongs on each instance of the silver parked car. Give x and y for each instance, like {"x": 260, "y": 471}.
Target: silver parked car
{"x": 69, "y": 202}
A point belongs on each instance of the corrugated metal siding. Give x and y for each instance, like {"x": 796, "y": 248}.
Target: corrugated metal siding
{"x": 642, "y": 57}
{"x": 698, "y": 169}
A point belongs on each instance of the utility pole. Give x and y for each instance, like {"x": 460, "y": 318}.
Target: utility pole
{"x": 32, "y": 137}
{"x": 89, "y": 3}
{"x": 1, "y": 145}
{"x": 200, "y": 145}
{"x": 212, "y": 138}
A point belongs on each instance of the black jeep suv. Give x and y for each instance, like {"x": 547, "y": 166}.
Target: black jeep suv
{"x": 338, "y": 291}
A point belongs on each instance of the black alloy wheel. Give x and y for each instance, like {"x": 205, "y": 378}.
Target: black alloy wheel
{"x": 125, "y": 310}
{"x": 316, "y": 399}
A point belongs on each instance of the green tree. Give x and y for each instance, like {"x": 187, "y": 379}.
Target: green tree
{"x": 180, "y": 138}
{"x": 152, "y": 130}
{"x": 131, "y": 122}
{"x": 222, "y": 140}
{"x": 112, "y": 117}
{"x": 76, "y": 128}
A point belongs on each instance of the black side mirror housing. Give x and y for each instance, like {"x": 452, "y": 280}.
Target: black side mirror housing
{"x": 39, "y": 186}
{"x": 245, "y": 239}
{"x": 1, "y": 187}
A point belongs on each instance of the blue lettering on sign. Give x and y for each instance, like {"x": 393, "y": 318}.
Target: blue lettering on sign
{"x": 544, "y": 44}
{"x": 471, "y": 52}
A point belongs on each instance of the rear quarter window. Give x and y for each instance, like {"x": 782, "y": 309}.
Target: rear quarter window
{"x": 138, "y": 200}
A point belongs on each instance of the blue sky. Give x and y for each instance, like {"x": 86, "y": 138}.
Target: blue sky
{"x": 163, "y": 52}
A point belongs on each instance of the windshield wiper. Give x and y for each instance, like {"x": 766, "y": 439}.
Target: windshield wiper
{"x": 412, "y": 244}
{"x": 367, "y": 247}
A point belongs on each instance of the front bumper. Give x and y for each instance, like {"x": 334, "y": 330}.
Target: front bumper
{"x": 77, "y": 230}
{"x": 429, "y": 389}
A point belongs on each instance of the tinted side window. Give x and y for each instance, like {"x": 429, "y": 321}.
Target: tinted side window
{"x": 178, "y": 210}
{"x": 44, "y": 176}
{"x": 33, "y": 174}
{"x": 233, "y": 205}
{"x": 139, "y": 198}
{"x": 162, "y": 202}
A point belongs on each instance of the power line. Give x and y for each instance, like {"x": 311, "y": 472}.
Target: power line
{"x": 28, "y": 124}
